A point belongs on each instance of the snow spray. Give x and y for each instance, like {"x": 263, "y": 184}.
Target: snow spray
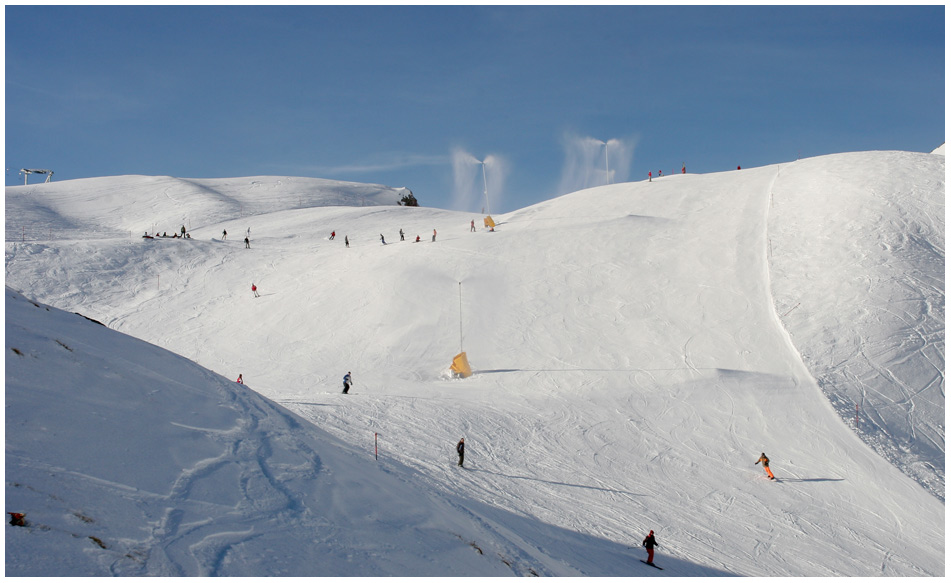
{"x": 469, "y": 192}
{"x": 591, "y": 162}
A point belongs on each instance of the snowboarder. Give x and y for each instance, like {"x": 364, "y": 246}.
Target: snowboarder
{"x": 765, "y": 460}
{"x": 254, "y": 290}
{"x": 247, "y": 243}
{"x": 472, "y": 226}
{"x": 332, "y": 235}
{"x": 461, "y": 450}
{"x": 649, "y": 543}
{"x": 382, "y": 240}
{"x": 346, "y": 383}
{"x": 224, "y": 235}
{"x": 240, "y": 380}
{"x": 434, "y": 235}
{"x": 401, "y": 235}
{"x": 346, "y": 241}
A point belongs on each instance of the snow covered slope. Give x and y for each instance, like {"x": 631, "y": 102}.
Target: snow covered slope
{"x": 94, "y": 208}
{"x": 129, "y": 460}
{"x": 857, "y": 265}
{"x": 630, "y": 363}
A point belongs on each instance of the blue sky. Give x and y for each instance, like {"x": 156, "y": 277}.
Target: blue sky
{"x": 394, "y": 95}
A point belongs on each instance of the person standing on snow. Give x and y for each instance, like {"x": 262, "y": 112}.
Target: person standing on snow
{"x": 649, "y": 543}
{"x": 254, "y": 290}
{"x": 765, "y": 460}
{"x": 382, "y": 240}
{"x": 346, "y": 241}
{"x": 401, "y": 235}
{"x": 224, "y": 235}
{"x": 346, "y": 383}
{"x": 332, "y": 235}
{"x": 434, "y": 235}
{"x": 247, "y": 243}
{"x": 472, "y": 226}
{"x": 461, "y": 450}
{"x": 240, "y": 380}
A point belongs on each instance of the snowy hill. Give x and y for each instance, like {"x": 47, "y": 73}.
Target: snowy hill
{"x": 636, "y": 347}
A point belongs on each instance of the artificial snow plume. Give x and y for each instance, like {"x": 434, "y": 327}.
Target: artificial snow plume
{"x": 592, "y": 162}
{"x": 635, "y": 348}
{"x": 477, "y": 184}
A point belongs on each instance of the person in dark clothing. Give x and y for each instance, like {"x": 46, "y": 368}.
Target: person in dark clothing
{"x": 649, "y": 543}
{"x": 346, "y": 240}
{"x": 346, "y": 383}
{"x": 382, "y": 240}
{"x": 401, "y": 235}
{"x": 461, "y": 450}
{"x": 247, "y": 243}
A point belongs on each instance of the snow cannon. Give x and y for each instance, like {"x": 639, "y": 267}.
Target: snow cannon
{"x": 460, "y": 366}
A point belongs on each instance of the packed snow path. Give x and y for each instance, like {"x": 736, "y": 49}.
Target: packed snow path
{"x": 630, "y": 366}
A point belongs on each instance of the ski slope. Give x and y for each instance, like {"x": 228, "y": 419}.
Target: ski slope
{"x": 635, "y": 349}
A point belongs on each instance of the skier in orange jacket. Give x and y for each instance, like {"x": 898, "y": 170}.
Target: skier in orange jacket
{"x": 765, "y": 460}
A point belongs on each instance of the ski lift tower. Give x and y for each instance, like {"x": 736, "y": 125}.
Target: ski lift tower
{"x": 27, "y": 171}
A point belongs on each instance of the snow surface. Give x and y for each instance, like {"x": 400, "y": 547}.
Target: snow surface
{"x": 635, "y": 347}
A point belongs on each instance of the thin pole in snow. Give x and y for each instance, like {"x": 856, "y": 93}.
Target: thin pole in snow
{"x": 485, "y": 191}
{"x": 376, "y": 449}
{"x": 460, "y": 316}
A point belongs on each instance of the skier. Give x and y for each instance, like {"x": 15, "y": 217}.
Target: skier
{"x": 417, "y": 238}
{"x": 247, "y": 243}
{"x": 649, "y": 543}
{"x": 401, "y": 235}
{"x": 240, "y": 380}
{"x": 649, "y": 176}
{"x": 183, "y": 231}
{"x": 765, "y": 460}
{"x": 461, "y": 450}
{"x": 434, "y": 235}
{"x": 332, "y": 235}
{"x": 683, "y": 169}
{"x": 472, "y": 226}
{"x": 382, "y": 239}
{"x": 346, "y": 240}
{"x": 224, "y": 235}
{"x": 254, "y": 290}
{"x": 346, "y": 383}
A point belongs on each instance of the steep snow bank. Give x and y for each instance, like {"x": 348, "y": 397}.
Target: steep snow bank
{"x": 857, "y": 265}
{"x": 129, "y": 460}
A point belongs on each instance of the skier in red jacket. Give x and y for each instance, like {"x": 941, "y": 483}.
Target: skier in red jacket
{"x": 649, "y": 543}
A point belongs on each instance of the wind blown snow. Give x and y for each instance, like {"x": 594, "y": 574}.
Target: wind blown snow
{"x": 635, "y": 348}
